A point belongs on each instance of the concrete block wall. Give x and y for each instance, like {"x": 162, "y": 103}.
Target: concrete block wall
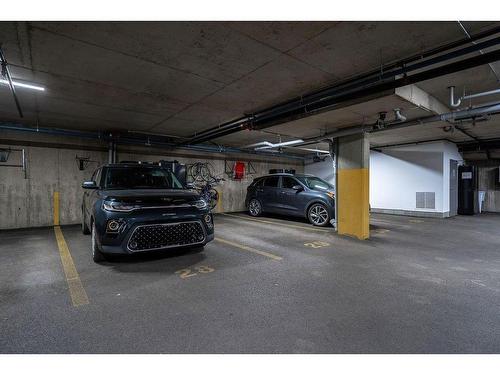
{"x": 52, "y": 167}
{"x": 232, "y": 192}
{"x": 29, "y": 202}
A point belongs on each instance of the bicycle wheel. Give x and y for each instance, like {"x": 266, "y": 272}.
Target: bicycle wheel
{"x": 199, "y": 181}
{"x": 214, "y": 198}
{"x": 207, "y": 172}
{"x": 194, "y": 170}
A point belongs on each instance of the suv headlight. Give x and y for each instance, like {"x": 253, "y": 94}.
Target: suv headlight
{"x": 201, "y": 204}
{"x": 118, "y": 206}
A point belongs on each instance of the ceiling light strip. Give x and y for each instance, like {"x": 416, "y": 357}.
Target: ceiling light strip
{"x": 24, "y": 85}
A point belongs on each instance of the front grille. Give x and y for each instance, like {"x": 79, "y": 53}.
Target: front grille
{"x": 160, "y": 236}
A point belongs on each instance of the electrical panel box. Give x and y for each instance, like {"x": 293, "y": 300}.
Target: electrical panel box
{"x": 466, "y": 187}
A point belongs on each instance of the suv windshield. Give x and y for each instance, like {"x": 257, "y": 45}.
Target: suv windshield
{"x": 140, "y": 178}
{"x": 315, "y": 183}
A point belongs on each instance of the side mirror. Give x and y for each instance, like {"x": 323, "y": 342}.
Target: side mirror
{"x": 297, "y": 188}
{"x": 89, "y": 185}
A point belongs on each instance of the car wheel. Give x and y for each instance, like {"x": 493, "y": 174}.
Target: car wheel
{"x": 318, "y": 215}
{"x": 254, "y": 208}
{"x": 85, "y": 227}
{"x": 97, "y": 256}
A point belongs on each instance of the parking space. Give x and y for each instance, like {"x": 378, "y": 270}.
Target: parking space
{"x": 265, "y": 285}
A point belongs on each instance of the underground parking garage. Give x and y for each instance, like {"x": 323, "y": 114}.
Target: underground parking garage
{"x": 249, "y": 187}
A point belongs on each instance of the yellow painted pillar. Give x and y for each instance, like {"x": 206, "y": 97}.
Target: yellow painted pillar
{"x": 353, "y": 186}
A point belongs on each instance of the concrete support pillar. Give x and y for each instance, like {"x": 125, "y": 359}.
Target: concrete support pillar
{"x": 353, "y": 186}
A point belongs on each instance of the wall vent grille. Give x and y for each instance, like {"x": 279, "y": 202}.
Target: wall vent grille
{"x": 426, "y": 199}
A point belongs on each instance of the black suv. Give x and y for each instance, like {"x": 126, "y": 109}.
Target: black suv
{"x": 292, "y": 194}
{"x": 132, "y": 208}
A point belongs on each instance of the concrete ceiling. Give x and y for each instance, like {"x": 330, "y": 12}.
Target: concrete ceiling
{"x": 179, "y": 78}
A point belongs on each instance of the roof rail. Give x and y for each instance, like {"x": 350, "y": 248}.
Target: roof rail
{"x": 281, "y": 170}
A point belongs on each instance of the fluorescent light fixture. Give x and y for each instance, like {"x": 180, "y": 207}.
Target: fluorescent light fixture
{"x": 289, "y": 143}
{"x": 265, "y": 143}
{"x": 281, "y": 144}
{"x": 25, "y": 85}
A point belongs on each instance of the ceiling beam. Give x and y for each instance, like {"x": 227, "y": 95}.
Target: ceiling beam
{"x": 422, "y": 99}
{"x": 331, "y": 97}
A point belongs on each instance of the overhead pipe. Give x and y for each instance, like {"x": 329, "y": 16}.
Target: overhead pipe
{"x": 398, "y": 116}
{"x": 379, "y": 148}
{"x": 151, "y": 141}
{"x": 473, "y": 145}
{"x": 354, "y": 89}
{"x": 457, "y": 103}
{"x": 480, "y": 51}
{"x": 402, "y": 70}
{"x": 309, "y": 149}
{"x": 244, "y": 121}
{"x": 5, "y": 72}
{"x": 450, "y": 116}
{"x": 393, "y": 84}
{"x": 453, "y": 103}
{"x": 156, "y": 134}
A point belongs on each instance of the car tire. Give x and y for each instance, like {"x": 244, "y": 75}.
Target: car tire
{"x": 318, "y": 215}
{"x": 85, "y": 227}
{"x": 254, "y": 208}
{"x": 97, "y": 255}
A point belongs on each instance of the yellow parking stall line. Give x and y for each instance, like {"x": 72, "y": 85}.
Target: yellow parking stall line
{"x": 75, "y": 286}
{"x": 276, "y": 223}
{"x": 248, "y": 248}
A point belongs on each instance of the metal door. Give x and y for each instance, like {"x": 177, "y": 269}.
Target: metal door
{"x": 453, "y": 187}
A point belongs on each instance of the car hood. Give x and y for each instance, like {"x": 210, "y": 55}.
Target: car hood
{"x": 151, "y": 197}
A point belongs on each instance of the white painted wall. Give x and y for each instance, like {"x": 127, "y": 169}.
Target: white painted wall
{"x": 323, "y": 169}
{"x": 399, "y": 172}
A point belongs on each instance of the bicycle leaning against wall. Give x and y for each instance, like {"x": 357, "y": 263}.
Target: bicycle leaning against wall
{"x": 204, "y": 181}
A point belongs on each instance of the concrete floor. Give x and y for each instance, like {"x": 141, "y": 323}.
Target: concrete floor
{"x": 417, "y": 286}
